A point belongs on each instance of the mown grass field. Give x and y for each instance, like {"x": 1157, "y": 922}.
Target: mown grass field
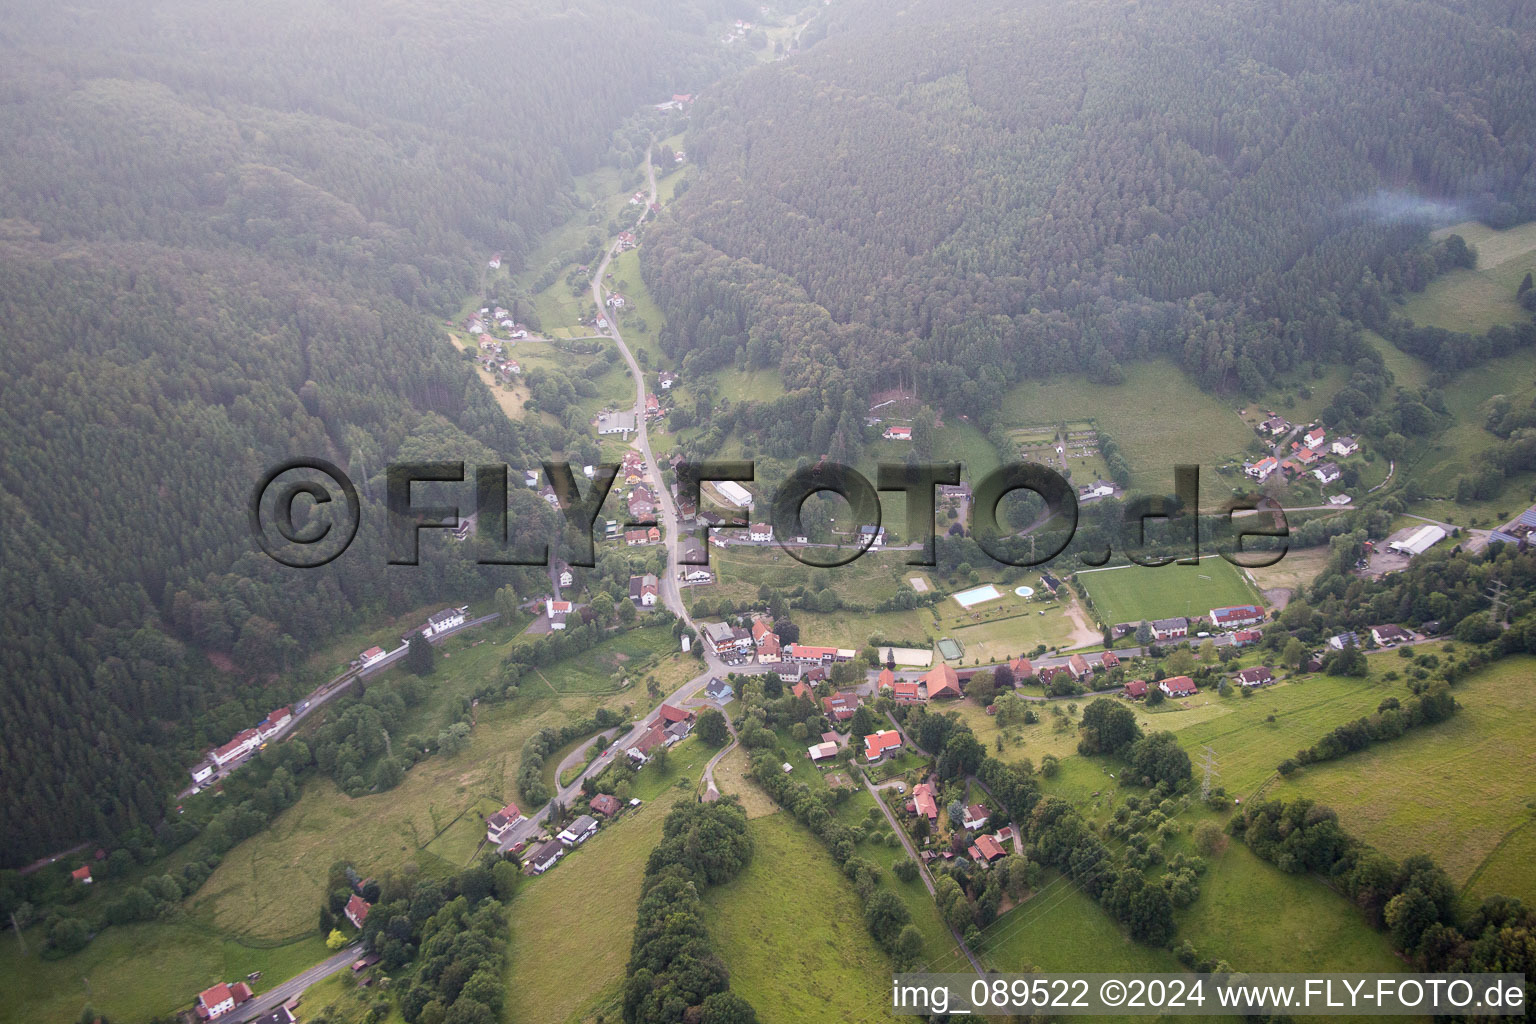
{"x": 1060, "y": 928}
{"x": 1259, "y": 918}
{"x": 1436, "y": 465}
{"x": 1137, "y": 593}
{"x": 269, "y": 885}
{"x": 1206, "y": 431}
{"x": 571, "y": 927}
{"x": 791, "y": 931}
{"x": 1474, "y": 300}
{"x": 135, "y": 972}
{"x": 1296, "y": 570}
{"x": 1470, "y": 802}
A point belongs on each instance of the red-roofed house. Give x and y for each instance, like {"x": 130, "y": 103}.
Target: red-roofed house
{"x": 1109, "y": 660}
{"x": 668, "y": 713}
{"x": 802, "y": 689}
{"x": 244, "y": 742}
{"x": 605, "y": 805}
{"x": 877, "y": 743}
{"x": 885, "y": 679}
{"x": 840, "y": 706}
{"x": 898, "y": 433}
{"x": 1078, "y": 666}
{"x": 905, "y": 692}
{"x": 215, "y": 1002}
{"x": 925, "y": 800}
{"x": 82, "y": 874}
{"x": 975, "y": 816}
{"x": 1136, "y": 689}
{"x": 372, "y": 655}
{"x": 275, "y": 722}
{"x": 768, "y": 651}
{"x": 1237, "y": 615}
{"x": 1178, "y": 686}
{"x": 942, "y": 682}
{"x": 1021, "y": 668}
{"x": 357, "y": 910}
{"x": 1244, "y": 637}
{"x": 986, "y": 849}
{"x": 761, "y": 631}
{"x": 499, "y": 824}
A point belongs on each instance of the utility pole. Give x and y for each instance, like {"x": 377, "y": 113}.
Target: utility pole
{"x": 1208, "y": 762}
{"x": 1496, "y": 600}
{"x": 18, "y": 934}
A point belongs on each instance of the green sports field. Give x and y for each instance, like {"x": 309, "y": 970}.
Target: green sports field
{"x": 1135, "y": 593}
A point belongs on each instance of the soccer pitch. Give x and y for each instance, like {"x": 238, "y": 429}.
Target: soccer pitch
{"x": 1135, "y": 593}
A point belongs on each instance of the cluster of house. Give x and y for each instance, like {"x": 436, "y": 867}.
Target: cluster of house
{"x": 679, "y": 101}
{"x": 738, "y": 32}
{"x": 671, "y": 725}
{"x": 1227, "y": 618}
{"x": 1173, "y": 686}
{"x": 488, "y": 320}
{"x": 737, "y": 645}
{"x": 1308, "y": 455}
{"x": 493, "y": 359}
{"x": 242, "y": 744}
{"x": 985, "y": 849}
{"x": 1517, "y": 531}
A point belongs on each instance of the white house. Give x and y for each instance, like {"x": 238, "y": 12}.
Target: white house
{"x": 275, "y": 723}
{"x": 374, "y": 655}
{"x": 545, "y": 856}
{"x": 1263, "y": 468}
{"x": 1345, "y": 446}
{"x": 761, "y": 532}
{"x": 243, "y": 743}
{"x": 443, "y": 621}
{"x": 698, "y": 575}
{"x": 579, "y": 831}
{"x": 1327, "y": 473}
{"x": 202, "y": 772}
{"x": 556, "y": 611}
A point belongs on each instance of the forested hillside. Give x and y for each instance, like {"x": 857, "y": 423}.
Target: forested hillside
{"x": 952, "y": 198}
{"x": 228, "y": 234}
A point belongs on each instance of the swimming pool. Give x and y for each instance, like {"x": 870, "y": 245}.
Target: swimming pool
{"x": 1024, "y": 591}
{"x": 977, "y": 595}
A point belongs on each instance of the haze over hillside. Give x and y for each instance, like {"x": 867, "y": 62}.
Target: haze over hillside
{"x": 953, "y": 197}
{"x": 224, "y": 234}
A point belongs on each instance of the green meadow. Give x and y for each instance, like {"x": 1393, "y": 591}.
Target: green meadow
{"x": 1461, "y": 790}
{"x": 1138, "y": 593}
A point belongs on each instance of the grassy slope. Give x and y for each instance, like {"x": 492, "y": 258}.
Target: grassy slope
{"x": 138, "y": 971}
{"x": 1475, "y": 300}
{"x": 1206, "y": 431}
{"x": 1472, "y": 786}
{"x": 792, "y": 933}
{"x": 1259, "y": 918}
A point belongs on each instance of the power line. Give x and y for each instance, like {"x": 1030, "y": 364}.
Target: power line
{"x": 1208, "y": 762}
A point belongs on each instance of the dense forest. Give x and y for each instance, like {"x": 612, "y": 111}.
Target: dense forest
{"x": 949, "y": 201}
{"x": 227, "y": 235}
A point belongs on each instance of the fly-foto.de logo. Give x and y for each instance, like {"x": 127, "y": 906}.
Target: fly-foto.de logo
{"x": 306, "y": 512}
